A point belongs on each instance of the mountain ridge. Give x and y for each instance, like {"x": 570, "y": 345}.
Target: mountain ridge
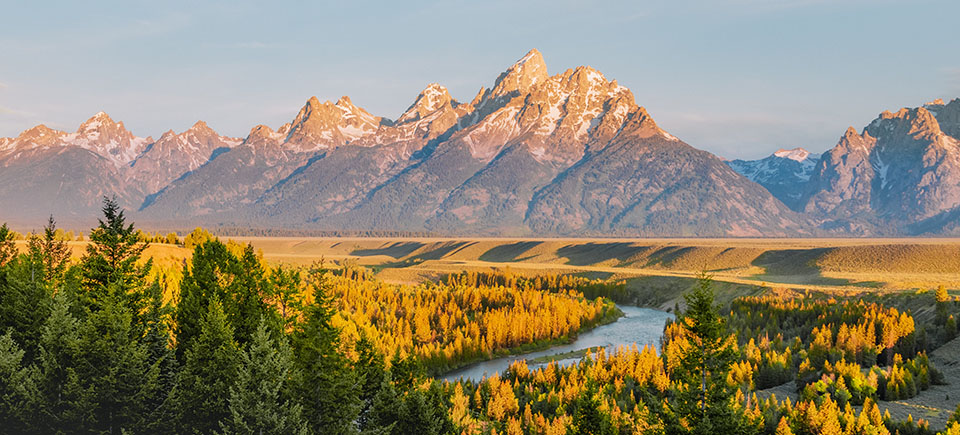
{"x": 534, "y": 154}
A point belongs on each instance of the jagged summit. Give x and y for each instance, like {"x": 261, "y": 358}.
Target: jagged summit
{"x": 431, "y": 99}
{"x": 902, "y": 170}
{"x": 199, "y": 125}
{"x": 522, "y": 75}
{"x": 329, "y": 125}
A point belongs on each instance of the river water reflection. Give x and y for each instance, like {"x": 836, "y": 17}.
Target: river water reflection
{"x": 638, "y": 325}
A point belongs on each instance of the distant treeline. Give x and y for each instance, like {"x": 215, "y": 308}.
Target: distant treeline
{"x": 287, "y": 232}
{"x": 590, "y": 288}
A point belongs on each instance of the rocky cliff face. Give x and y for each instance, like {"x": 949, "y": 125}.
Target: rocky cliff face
{"x": 900, "y": 170}
{"x": 173, "y": 155}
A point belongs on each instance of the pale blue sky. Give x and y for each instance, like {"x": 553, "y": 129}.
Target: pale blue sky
{"x": 738, "y": 78}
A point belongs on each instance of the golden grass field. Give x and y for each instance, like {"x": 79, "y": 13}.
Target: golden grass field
{"x": 826, "y": 263}
{"x": 659, "y": 269}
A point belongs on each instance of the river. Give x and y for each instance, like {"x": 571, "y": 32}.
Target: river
{"x": 637, "y": 325}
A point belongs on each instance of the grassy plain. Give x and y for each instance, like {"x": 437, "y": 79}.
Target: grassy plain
{"x": 651, "y": 267}
{"x": 657, "y": 270}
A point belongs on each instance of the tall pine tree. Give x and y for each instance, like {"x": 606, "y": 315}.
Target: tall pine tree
{"x": 8, "y": 248}
{"x": 50, "y": 253}
{"x": 212, "y": 363}
{"x": 260, "y": 400}
{"x": 704, "y": 402}
{"x": 327, "y": 386}
{"x": 238, "y": 283}
{"x": 112, "y": 261}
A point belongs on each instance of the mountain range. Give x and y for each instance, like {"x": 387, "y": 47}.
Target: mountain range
{"x": 568, "y": 154}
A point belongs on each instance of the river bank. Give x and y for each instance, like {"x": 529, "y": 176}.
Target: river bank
{"x": 640, "y": 326}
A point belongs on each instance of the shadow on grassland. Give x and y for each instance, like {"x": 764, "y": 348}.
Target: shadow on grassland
{"x": 397, "y": 250}
{"x": 508, "y": 252}
{"x": 592, "y": 253}
{"x": 794, "y": 266}
{"x": 433, "y": 252}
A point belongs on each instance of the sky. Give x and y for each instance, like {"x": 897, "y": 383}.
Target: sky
{"x": 738, "y": 78}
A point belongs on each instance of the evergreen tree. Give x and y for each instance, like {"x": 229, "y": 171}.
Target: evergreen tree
{"x": 58, "y": 381}
{"x": 245, "y": 304}
{"x": 25, "y": 304}
{"x": 51, "y": 253}
{"x": 284, "y": 292}
{"x": 114, "y": 370}
{"x": 8, "y": 249}
{"x": 156, "y": 339}
{"x": 703, "y": 402}
{"x": 405, "y": 371}
{"x": 587, "y": 417}
{"x": 19, "y": 395}
{"x": 212, "y": 364}
{"x": 384, "y": 410}
{"x": 418, "y": 416}
{"x": 259, "y": 401}
{"x": 111, "y": 264}
{"x": 371, "y": 370}
{"x": 237, "y": 283}
{"x": 325, "y": 383}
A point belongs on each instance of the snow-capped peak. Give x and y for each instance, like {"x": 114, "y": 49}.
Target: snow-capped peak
{"x": 327, "y": 125}
{"x": 797, "y": 154}
{"x": 110, "y": 139}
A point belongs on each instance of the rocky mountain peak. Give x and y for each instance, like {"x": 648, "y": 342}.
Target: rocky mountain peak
{"x": 36, "y": 137}
{"x": 199, "y": 126}
{"x": 434, "y": 97}
{"x": 355, "y": 122}
{"x": 914, "y": 122}
{"x": 948, "y": 115}
{"x": 260, "y": 134}
{"x": 783, "y": 173}
{"x": 97, "y": 122}
{"x": 328, "y": 125}
{"x": 522, "y": 75}
{"x": 37, "y": 132}
{"x": 564, "y": 112}
{"x": 108, "y": 138}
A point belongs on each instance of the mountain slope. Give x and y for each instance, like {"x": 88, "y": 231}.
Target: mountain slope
{"x": 783, "y": 173}
{"x": 903, "y": 168}
{"x": 648, "y": 183}
{"x": 45, "y": 171}
{"x": 522, "y": 136}
{"x": 174, "y": 154}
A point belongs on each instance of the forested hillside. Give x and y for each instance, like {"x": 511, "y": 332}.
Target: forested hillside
{"x": 108, "y": 344}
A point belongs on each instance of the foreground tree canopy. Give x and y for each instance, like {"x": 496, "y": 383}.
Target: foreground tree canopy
{"x": 104, "y": 343}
